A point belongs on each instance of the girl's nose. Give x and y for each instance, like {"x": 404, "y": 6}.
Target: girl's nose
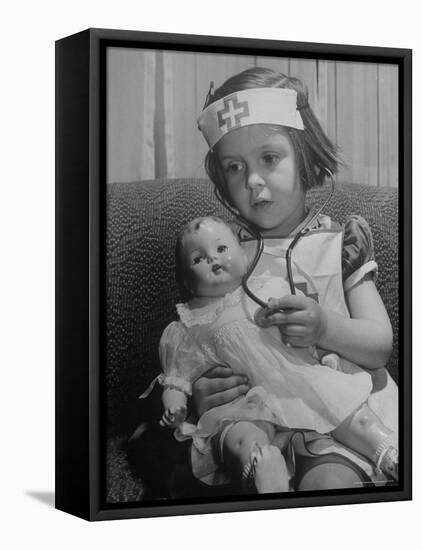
{"x": 254, "y": 180}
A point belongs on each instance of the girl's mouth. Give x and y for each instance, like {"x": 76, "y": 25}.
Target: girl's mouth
{"x": 261, "y": 204}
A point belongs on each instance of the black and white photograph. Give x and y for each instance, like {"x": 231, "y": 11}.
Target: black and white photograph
{"x": 210, "y": 298}
{"x": 253, "y": 277}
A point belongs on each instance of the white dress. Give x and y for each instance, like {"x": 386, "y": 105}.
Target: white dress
{"x": 290, "y": 387}
{"x": 317, "y": 269}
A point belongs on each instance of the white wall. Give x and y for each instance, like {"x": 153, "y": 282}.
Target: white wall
{"x": 27, "y": 273}
{"x": 155, "y": 96}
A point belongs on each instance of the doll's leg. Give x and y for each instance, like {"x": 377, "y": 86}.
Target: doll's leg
{"x": 247, "y": 451}
{"x": 364, "y": 432}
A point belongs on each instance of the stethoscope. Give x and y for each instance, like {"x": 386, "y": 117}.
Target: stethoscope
{"x": 258, "y": 253}
{"x": 260, "y": 246}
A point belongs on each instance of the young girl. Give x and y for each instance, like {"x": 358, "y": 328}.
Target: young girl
{"x": 266, "y": 150}
{"x": 291, "y": 388}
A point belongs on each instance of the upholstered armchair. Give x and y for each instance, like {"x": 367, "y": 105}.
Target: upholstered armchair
{"x": 143, "y": 219}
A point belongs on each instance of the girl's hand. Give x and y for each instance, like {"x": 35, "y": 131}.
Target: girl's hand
{"x": 173, "y": 417}
{"x": 301, "y": 320}
{"x": 217, "y": 387}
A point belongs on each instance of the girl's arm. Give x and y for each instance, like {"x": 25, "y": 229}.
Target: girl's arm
{"x": 365, "y": 338}
{"x": 216, "y": 387}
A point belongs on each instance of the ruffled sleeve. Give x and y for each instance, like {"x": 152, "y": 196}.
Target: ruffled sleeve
{"x": 181, "y": 358}
{"x": 358, "y": 257}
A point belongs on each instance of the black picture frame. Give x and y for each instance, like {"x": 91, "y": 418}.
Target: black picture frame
{"x": 81, "y": 272}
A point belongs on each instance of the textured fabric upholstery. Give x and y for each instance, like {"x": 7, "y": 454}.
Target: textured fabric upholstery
{"x": 143, "y": 219}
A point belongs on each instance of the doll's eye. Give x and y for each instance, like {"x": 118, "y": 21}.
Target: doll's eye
{"x": 222, "y": 248}
{"x": 196, "y": 259}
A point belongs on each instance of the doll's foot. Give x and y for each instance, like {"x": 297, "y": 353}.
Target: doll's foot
{"x": 388, "y": 463}
{"x": 266, "y": 470}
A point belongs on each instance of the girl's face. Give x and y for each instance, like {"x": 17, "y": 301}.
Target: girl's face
{"x": 259, "y": 166}
{"x": 213, "y": 260}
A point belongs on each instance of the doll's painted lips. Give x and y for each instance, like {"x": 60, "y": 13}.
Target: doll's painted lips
{"x": 216, "y": 268}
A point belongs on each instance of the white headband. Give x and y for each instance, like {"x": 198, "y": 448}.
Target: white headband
{"x": 254, "y": 106}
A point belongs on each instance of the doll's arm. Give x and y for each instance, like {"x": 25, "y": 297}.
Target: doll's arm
{"x": 183, "y": 362}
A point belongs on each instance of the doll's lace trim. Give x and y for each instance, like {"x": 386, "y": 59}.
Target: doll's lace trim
{"x": 176, "y": 383}
{"x": 209, "y": 312}
{"x": 172, "y": 382}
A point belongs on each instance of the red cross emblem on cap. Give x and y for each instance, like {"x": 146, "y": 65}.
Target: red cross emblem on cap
{"x": 232, "y": 113}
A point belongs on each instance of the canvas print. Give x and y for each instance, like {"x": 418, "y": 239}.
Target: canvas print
{"x": 252, "y": 278}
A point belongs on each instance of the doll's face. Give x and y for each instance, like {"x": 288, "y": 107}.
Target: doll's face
{"x": 259, "y": 167}
{"x": 213, "y": 259}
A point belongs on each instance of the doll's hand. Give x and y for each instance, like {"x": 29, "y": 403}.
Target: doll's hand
{"x": 174, "y": 404}
{"x": 173, "y": 417}
{"x": 301, "y": 320}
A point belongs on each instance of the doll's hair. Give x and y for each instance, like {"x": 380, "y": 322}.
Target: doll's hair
{"x": 193, "y": 226}
{"x": 316, "y": 156}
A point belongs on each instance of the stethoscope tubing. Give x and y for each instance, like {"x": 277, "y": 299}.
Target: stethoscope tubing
{"x": 260, "y": 248}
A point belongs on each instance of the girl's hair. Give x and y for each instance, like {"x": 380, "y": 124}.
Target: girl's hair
{"x": 182, "y": 278}
{"x": 316, "y": 156}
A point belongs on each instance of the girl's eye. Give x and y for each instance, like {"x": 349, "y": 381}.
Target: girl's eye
{"x": 222, "y": 248}
{"x": 270, "y": 159}
{"x": 234, "y": 168}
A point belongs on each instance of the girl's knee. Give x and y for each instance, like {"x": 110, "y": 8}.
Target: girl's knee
{"x": 363, "y": 417}
{"x": 359, "y": 423}
{"x": 329, "y": 476}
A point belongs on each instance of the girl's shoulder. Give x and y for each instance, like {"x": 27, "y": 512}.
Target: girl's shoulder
{"x": 358, "y": 247}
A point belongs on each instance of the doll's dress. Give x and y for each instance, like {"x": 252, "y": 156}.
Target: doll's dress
{"x": 290, "y": 387}
{"x": 355, "y": 259}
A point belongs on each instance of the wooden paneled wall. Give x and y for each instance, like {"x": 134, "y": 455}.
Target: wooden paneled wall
{"x": 357, "y": 104}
